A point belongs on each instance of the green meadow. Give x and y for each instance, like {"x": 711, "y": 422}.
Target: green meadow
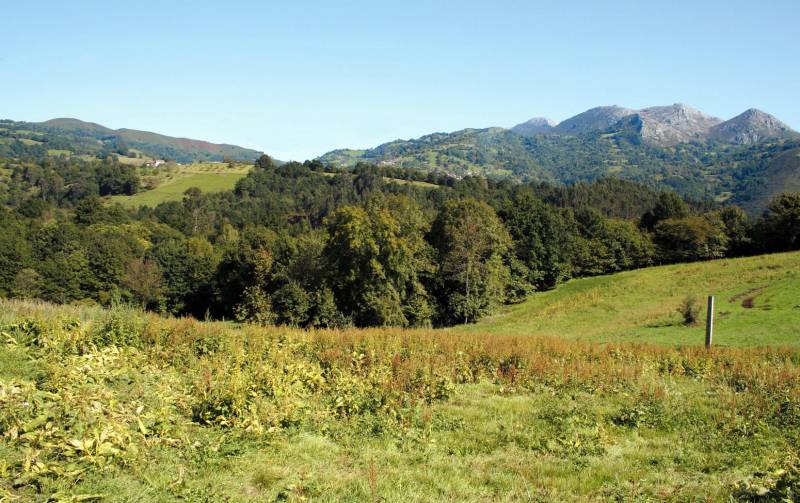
{"x": 591, "y": 392}
{"x": 757, "y": 302}
{"x": 169, "y": 183}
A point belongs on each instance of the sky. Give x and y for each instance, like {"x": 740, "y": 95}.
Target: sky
{"x": 298, "y": 78}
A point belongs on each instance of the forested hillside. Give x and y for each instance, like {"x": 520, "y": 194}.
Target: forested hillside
{"x": 742, "y": 160}
{"x": 309, "y": 245}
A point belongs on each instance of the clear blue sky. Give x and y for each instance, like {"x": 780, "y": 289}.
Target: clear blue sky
{"x": 297, "y": 79}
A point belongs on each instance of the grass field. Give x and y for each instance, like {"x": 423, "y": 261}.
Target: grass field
{"x": 119, "y": 405}
{"x": 170, "y": 183}
{"x": 757, "y": 303}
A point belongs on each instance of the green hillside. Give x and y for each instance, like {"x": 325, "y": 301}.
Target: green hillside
{"x": 169, "y": 183}
{"x": 70, "y": 137}
{"x": 750, "y": 174}
{"x": 773, "y": 174}
{"x": 757, "y": 303}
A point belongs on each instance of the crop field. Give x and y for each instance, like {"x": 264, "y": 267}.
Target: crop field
{"x": 120, "y": 405}
{"x": 757, "y": 302}
{"x": 169, "y": 183}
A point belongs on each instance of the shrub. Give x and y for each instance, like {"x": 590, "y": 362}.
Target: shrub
{"x": 690, "y": 310}
{"x": 778, "y": 486}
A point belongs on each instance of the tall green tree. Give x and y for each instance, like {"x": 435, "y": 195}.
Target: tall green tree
{"x": 781, "y": 223}
{"x": 471, "y": 242}
{"x": 691, "y": 238}
{"x": 375, "y": 264}
{"x": 542, "y": 239}
{"x": 669, "y": 206}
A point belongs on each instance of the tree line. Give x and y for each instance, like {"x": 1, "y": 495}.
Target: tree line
{"x": 305, "y": 244}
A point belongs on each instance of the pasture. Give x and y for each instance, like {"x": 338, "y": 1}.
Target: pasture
{"x": 169, "y": 182}
{"x": 757, "y": 302}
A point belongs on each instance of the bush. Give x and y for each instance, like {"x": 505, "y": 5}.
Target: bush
{"x": 690, "y": 310}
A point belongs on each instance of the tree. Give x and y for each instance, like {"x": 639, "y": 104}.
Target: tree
{"x": 630, "y": 246}
{"x": 781, "y": 223}
{"x": 291, "y": 304}
{"x": 15, "y": 250}
{"x": 691, "y": 238}
{"x": 609, "y": 245}
{"x": 255, "y": 307}
{"x": 471, "y": 243}
{"x": 323, "y": 312}
{"x": 188, "y": 268}
{"x": 264, "y": 162}
{"x": 61, "y": 259}
{"x": 542, "y": 239}
{"x": 27, "y": 284}
{"x": 199, "y": 218}
{"x": 143, "y": 279}
{"x": 669, "y": 206}
{"x": 738, "y": 228}
{"x": 115, "y": 178}
{"x": 375, "y": 257}
{"x": 108, "y": 250}
{"x": 255, "y": 270}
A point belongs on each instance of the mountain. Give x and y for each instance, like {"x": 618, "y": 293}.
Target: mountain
{"x": 666, "y": 125}
{"x": 534, "y": 126}
{"x": 67, "y": 124}
{"x": 771, "y": 171}
{"x": 69, "y": 136}
{"x": 673, "y": 124}
{"x": 751, "y": 126}
{"x": 673, "y": 146}
{"x": 594, "y": 119}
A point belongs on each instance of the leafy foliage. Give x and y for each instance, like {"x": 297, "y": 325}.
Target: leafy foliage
{"x": 105, "y": 403}
{"x": 310, "y": 245}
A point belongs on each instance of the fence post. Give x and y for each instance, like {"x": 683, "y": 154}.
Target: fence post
{"x": 710, "y": 321}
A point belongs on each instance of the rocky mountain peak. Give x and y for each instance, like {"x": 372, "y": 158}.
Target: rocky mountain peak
{"x": 594, "y": 119}
{"x": 668, "y": 125}
{"x": 534, "y": 126}
{"x": 751, "y": 126}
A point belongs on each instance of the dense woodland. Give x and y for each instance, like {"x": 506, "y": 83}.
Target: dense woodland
{"x": 310, "y": 245}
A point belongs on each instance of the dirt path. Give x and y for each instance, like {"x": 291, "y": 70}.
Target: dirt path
{"x": 748, "y": 297}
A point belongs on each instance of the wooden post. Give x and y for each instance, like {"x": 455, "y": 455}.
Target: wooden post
{"x": 710, "y": 321}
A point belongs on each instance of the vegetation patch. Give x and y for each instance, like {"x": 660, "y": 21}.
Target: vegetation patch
{"x": 119, "y": 405}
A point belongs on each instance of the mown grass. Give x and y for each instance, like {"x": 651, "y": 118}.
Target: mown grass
{"x": 757, "y": 302}
{"x": 171, "y": 182}
{"x": 120, "y": 405}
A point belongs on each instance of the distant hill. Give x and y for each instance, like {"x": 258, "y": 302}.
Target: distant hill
{"x": 534, "y": 126}
{"x": 76, "y": 137}
{"x": 775, "y": 172}
{"x": 672, "y": 146}
{"x": 592, "y": 120}
{"x": 751, "y": 126}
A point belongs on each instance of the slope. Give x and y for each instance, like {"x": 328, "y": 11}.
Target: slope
{"x": 66, "y": 136}
{"x": 756, "y": 304}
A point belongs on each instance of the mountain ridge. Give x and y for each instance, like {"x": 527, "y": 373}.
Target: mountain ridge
{"x": 673, "y": 146}
{"x": 93, "y": 138}
{"x": 751, "y": 126}
{"x": 669, "y": 125}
